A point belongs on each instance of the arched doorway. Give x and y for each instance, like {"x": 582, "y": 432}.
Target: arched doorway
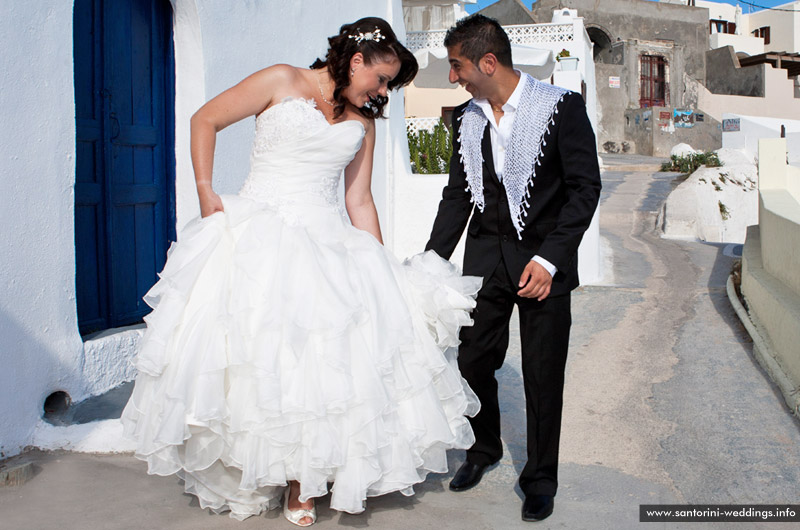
{"x": 602, "y": 43}
{"x": 124, "y": 179}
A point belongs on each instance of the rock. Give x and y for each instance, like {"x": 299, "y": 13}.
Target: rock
{"x": 734, "y": 157}
{"x": 681, "y": 150}
{"x": 713, "y": 204}
{"x": 16, "y": 474}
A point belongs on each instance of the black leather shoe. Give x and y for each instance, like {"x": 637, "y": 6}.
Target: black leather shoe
{"x": 537, "y": 507}
{"x": 467, "y": 476}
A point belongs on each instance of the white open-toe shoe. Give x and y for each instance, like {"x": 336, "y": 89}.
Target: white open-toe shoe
{"x": 295, "y": 516}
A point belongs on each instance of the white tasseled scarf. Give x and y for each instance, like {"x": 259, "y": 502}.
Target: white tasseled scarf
{"x": 533, "y": 118}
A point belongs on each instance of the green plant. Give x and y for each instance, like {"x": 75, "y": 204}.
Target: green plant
{"x": 723, "y": 211}
{"x": 690, "y": 162}
{"x": 563, "y": 53}
{"x": 430, "y": 150}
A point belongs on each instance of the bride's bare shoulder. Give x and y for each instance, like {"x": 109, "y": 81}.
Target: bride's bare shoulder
{"x": 277, "y": 82}
{"x": 285, "y": 73}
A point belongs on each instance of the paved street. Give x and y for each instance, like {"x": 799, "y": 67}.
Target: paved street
{"x": 664, "y": 403}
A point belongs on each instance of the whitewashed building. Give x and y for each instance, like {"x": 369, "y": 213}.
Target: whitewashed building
{"x": 767, "y": 30}
{"x": 425, "y": 15}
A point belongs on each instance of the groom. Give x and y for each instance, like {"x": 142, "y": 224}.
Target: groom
{"x": 524, "y": 167}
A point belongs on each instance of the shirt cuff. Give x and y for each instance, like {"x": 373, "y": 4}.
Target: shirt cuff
{"x": 546, "y": 264}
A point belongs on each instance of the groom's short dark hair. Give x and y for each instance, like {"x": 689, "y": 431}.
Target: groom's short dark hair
{"x": 479, "y": 35}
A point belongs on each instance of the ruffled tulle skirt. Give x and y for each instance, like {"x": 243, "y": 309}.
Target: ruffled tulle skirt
{"x": 283, "y": 349}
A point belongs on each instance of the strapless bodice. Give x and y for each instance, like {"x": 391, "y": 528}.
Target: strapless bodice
{"x": 298, "y": 157}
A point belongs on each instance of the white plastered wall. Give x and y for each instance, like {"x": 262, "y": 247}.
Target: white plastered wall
{"x": 784, "y": 27}
{"x": 755, "y": 128}
{"x": 40, "y": 349}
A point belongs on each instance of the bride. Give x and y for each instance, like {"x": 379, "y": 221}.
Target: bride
{"x": 287, "y": 349}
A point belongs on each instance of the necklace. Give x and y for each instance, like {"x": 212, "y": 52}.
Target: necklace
{"x": 322, "y": 94}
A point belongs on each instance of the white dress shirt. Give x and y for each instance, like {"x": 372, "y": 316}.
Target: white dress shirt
{"x": 500, "y": 134}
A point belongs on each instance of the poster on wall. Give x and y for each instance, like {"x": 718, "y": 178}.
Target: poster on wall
{"x": 665, "y": 121}
{"x": 731, "y": 125}
{"x": 683, "y": 118}
{"x": 613, "y": 81}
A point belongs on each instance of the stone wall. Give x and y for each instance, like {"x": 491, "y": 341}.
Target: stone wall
{"x": 612, "y": 102}
{"x": 725, "y": 76}
{"x": 655, "y": 131}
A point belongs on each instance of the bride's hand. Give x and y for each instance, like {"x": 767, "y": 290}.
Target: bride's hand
{"x": 210, "y": 202}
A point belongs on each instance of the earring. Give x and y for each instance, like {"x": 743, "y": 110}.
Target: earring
{"x": 352, "y": 72}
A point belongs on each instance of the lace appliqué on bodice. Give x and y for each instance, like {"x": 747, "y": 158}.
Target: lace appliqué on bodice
{"x": 329, "y": 190}
{"x": 289, "y": 120}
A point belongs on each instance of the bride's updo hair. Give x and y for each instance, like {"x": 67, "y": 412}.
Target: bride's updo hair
{"x": 344, "y": 45}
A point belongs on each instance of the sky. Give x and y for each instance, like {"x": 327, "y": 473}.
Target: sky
{"x": 746, "y": 8}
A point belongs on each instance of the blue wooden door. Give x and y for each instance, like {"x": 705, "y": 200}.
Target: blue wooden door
{"x": 124, "y": 190}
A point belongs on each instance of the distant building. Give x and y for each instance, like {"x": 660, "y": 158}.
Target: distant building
{"x": 643, "y": 53}
{"x": 769, "y": 30}
{"x": 664, "y": 74}
{"x": 426, "y": 15}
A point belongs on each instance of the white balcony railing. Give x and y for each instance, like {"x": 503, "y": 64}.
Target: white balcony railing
{"x": 414, "y": 125}
{"x": 528, "y": 34}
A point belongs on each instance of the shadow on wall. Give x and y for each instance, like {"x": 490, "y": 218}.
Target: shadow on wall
{"x": 32, "y": 372}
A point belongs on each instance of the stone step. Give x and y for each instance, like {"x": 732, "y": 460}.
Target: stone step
{"x": 16, "y": 473}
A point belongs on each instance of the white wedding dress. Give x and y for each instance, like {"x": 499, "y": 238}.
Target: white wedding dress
{"x": 285, "y": 344}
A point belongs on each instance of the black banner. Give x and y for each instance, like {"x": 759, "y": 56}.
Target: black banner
{"x": 719, "y": 513}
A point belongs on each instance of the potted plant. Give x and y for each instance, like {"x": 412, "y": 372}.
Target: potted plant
{"x": 566, "y": 61}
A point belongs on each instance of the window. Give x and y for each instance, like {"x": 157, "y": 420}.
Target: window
{"x": 653, "y": 82}
{"x": 721, "y": 26}
{"x": 447, "y": 116}
{"x": 763, "y": 33}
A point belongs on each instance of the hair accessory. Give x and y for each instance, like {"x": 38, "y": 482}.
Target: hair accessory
{"x": 374, "y": 35}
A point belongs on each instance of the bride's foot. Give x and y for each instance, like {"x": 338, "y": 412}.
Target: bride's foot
{"x": 296, "y": 512}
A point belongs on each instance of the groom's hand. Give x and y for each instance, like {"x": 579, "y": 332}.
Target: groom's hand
{"x": 535, "y": 282}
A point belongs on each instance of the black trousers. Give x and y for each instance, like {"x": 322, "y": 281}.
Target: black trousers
{"x": 544, "y": 333}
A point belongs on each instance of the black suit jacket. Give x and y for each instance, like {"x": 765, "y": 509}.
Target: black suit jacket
{"x": 563, "y": 200}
